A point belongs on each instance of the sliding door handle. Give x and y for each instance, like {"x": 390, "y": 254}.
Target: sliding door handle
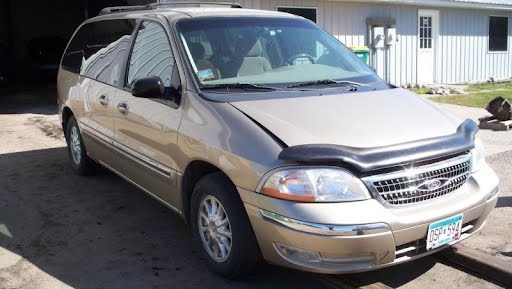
{"x": 103, "y": 99}
{"x": 122, "y": 107}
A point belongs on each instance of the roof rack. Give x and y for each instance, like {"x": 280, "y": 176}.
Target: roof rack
{"x": 117, "y": 9}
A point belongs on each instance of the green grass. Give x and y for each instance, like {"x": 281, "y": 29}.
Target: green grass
{"x": 489, "y": 86}
{"x": 422, "y": 90}
{"x": 474, "y": 99}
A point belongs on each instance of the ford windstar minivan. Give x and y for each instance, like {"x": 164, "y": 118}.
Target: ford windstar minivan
{"x": 270, "y": 138}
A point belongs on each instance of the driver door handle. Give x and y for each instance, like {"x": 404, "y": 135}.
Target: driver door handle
{"x": 103, "y": 99}
{"x": 122, "y": 107}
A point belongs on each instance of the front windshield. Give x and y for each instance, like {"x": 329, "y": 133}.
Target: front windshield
{"x": 277, "y": 52}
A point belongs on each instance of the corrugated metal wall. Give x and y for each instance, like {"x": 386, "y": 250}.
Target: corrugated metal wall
{"x": 462, "y": 51}
{"x": 462, "y": 54}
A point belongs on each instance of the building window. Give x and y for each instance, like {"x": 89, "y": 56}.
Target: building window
{"x": 426, "y": 32}
{"x": 498, "y": 33}
{"x": 308, "y": 13}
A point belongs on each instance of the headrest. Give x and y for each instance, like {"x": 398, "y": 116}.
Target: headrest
{"x": 255, "y": 50}
{"x": 197, "y": 50}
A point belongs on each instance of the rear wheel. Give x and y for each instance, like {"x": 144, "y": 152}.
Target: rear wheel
{"x": 222, "y": 228}
{"x": 80, "y": 162}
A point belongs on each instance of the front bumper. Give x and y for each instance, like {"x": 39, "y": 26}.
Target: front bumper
{"x": 361, "y": 236}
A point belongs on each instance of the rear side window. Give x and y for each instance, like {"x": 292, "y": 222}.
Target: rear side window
{"x": 74, "y": 54}
{"x": 152, "y": 55}
{"x": 99, "y": 49}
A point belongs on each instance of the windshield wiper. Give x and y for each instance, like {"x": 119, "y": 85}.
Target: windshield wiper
{"x": 352, "y": 84}
{"x": 242, "y": 86}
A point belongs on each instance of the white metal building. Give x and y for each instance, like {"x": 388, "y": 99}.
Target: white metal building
{"x": 413, "y": 41}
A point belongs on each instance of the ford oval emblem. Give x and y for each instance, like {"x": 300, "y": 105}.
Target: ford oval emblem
{"x": 434, "y": 184}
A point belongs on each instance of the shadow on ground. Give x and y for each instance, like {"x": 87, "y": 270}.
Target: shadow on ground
{"x": 101, "y": 232}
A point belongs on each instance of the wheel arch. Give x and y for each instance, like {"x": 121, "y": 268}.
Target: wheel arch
{"x": 67, "y": 113}
{"x": 194, "y": 171}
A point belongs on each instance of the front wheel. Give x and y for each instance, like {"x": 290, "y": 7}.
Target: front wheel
{"x": 222, "y": 228}
{"x": 80, "y": 162}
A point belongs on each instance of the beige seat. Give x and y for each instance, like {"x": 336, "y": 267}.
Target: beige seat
{"x": 254, "y": 63}
{"x": 198, "y": 52}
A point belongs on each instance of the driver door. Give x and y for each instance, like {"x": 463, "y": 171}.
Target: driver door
{"x": 146, "y": 128}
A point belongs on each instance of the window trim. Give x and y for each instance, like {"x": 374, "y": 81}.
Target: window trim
{"x": 489, "y": 51}
{"x": 299, "y": 7}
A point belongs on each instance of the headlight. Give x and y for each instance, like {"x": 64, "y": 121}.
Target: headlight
{"x": 477, "y": 155}
{"x": 315, "y": 185}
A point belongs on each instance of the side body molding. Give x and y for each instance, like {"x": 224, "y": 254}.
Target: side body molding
{"x": 370, "y": 159}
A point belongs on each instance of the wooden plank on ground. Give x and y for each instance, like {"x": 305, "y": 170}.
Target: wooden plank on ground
{"x": 350, "y": 282}
{"x": 490, "y": 122}
{"x": 488, "y": 266}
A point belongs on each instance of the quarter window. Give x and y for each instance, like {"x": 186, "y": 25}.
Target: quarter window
{"x": 99, "y": 49}
{"x": 498, "y": 33}
{"x": 151, "y": 55}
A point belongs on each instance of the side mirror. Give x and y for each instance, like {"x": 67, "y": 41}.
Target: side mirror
{"x": 148, "y": 87}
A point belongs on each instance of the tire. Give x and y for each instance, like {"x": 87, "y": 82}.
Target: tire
{"x": 80, "y": 162}
{"x": 244, "y": 256}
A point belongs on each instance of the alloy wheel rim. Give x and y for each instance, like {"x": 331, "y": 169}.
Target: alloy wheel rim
{"x": 214, "y": 229}
{"x": 74, "y": 145}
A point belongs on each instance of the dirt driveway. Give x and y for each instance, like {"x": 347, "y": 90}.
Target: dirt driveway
{"x": 58, "y": 230}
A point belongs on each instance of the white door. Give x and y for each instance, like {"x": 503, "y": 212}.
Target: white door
{"x": 427, "y": 42}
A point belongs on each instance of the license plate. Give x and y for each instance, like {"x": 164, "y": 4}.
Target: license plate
{"x": 444, "y": 231}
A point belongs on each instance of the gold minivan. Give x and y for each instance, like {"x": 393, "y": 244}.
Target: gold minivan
{"x": 270, "y": 138}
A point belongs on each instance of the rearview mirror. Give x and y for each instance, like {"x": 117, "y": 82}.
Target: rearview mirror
{"x": 148, "y": 87}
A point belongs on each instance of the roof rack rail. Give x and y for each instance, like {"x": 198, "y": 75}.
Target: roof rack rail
{"x": 117, "y": 9}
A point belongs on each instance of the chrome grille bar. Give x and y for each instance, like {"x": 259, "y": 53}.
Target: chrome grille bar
{"x": 419, "y": 184}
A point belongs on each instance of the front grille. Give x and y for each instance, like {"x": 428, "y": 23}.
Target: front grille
{"x": 421, "y": 184}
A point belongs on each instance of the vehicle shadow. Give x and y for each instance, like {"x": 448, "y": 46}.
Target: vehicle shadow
{"x": 102, "y": 232}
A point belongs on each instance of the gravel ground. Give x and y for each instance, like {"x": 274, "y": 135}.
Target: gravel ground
{"x": 495, "y": 141}
{"x": 494, "y": 239}
{"x": 58, "y": 230}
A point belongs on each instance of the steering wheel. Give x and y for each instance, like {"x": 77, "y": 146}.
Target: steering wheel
{"x": 300, "y": 55}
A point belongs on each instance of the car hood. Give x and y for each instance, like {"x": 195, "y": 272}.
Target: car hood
{"x": 361, "y": 119}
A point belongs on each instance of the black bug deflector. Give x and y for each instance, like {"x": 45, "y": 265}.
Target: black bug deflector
{"x": 370, "y": 159}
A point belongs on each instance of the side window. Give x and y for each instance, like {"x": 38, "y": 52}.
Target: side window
{"x": 99, "y": 49}
{"x": 152, "y": 55}
{"x": 107, "y": 50}
{"x": 74, "y": 54}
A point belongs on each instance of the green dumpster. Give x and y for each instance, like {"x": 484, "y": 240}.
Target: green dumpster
{"x": 362, "y": 52}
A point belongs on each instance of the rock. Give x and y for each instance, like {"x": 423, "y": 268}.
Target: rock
{"x": 491, "y": 79}
{"x": 456, "y": 91}
{"x": 419, "y": 86}
{"x": 432, "y": 91}
{"x": 500, "y": 108}
{"x": 409, "y": 85}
